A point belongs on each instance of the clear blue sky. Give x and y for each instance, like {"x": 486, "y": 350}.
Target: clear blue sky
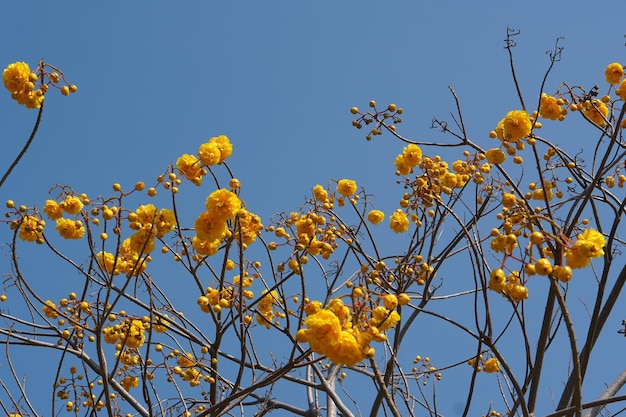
{"x": 156, "y": 79}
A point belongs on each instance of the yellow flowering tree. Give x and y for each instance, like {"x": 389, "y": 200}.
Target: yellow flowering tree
{"x": 195, "y": 305}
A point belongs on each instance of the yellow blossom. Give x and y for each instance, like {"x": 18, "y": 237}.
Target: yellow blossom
{"x": 347, "y": 350}
{"x": 52, "y": 210}
{"x": 495, "y": 156}
{"x": 516, "y": 125}
{"x": 204, "y": 247}
{"x": 491, "y": 365}
{"x": 614, "y": 73}
{"x": 111, "y": 335}
{"x": 596, "y": 111}
{"x": 323, "y": 331}
{"x": 72, "y": 205}
{"x": 250, "y": 227}
{"x": 589, "y": 245}
{"x": 142, "y": 241}
{"x": 209, "y": 153}
{"x": 223, "y": 144}
{"x": 402, "y": 165}
{"x": 375, "y": 216}
{"x": 165, "y": 222}
{"x": 346, "y": 187}
{"x": 320, "y": 193}
{"x": 412, "y": 155}
{"x": 223, "y": 204}
{"x": 549, "y": 107}
{"x": 399, "y": 222}
{"x": 49, "y": 310}
{"x": 16, "y": 76}
{"x": 70, "y": 229}
{"x": 31, "y": 228}
{"x": 130, "y": 382}
{"x": 190, "y": 167}
{"x": 135, "y": 335}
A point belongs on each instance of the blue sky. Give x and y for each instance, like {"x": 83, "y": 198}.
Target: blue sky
{"x": 157, "y": 79}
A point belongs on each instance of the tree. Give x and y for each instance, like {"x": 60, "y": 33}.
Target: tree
{"x": 312, "y": 312}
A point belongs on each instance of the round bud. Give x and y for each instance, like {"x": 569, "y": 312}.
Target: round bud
{"x": 65, "y": 90}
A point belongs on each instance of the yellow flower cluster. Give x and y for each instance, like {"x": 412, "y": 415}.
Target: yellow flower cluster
{"x": 31, "y": 229}
{"x": 19, "y": 80}
{"x": 332, "y": 332}
{"x": 410, "y": 157}
{"x": 266, "y": 314}
{"x": 596, "y": 111}
{"x": 551, "y": 107}
{"x": 510, "y": 286}
{"x": 490, "y": 365}
{"x": 130, "y": 333}
{"x": 149, "y": 223}
{"x": 346, "y": 187}
{"x": 211, "y": 226}
{"x": 215, "y": 299}
{"x": 588, "y": 245}
{"x": 614, "y": 73}
{"x": 213, "y": 152}
{"x": 187, "y": 370}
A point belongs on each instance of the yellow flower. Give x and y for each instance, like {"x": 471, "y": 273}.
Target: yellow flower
{"x": 399, "y": 222}
{"x": 49, "y": 310}
{"x": 142, "y": 241}
{"x": 190, "y": 167}
{"x": 402, "y": 165}
{"x": 323, "y": 331}
{"x": 146, "y": 213}
{"x": 595, "y": 237}
{"x": 30, "y": 99}
{"x": 204, "y": 247}
{"x": 165, "y": 222}
{"x": 320, "y": 193}
{"x": 111, "y": 336}
{"x": 209, "y": 153}
{"x": 614, "y": 73}
{"x": 223, "y": 204}
{"x": 549, "y": 107}
{"x": 224, "y": 145}
{"x": 412, "y": 155}
{"x": 135, "y": 335}
{"x": 497, "y": 280}
{"x": 250, "y": 226}
{"x": 72, "y": 205}
{"x": 495, "y": 156}
{"x": 106, "y": 261}
{"x": 383, "y": 318}
{"x": 589, "y": 245}
{"x": 16, "y": 76}
{"x": 130, "y": 382}
{"x": 491, "y": 365}
{"x": 347, "y": 351}
{"x": 52, "y": 210}
{"x": 346, "y": 187}
{"x": 70, "y": 229}
{"x": 596, "y": 111}
{"x": 508, "y": 200}
{"x": 31, "y": 228}
{"x": 375, "y": 216}
{"x": 516, "y": 125}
